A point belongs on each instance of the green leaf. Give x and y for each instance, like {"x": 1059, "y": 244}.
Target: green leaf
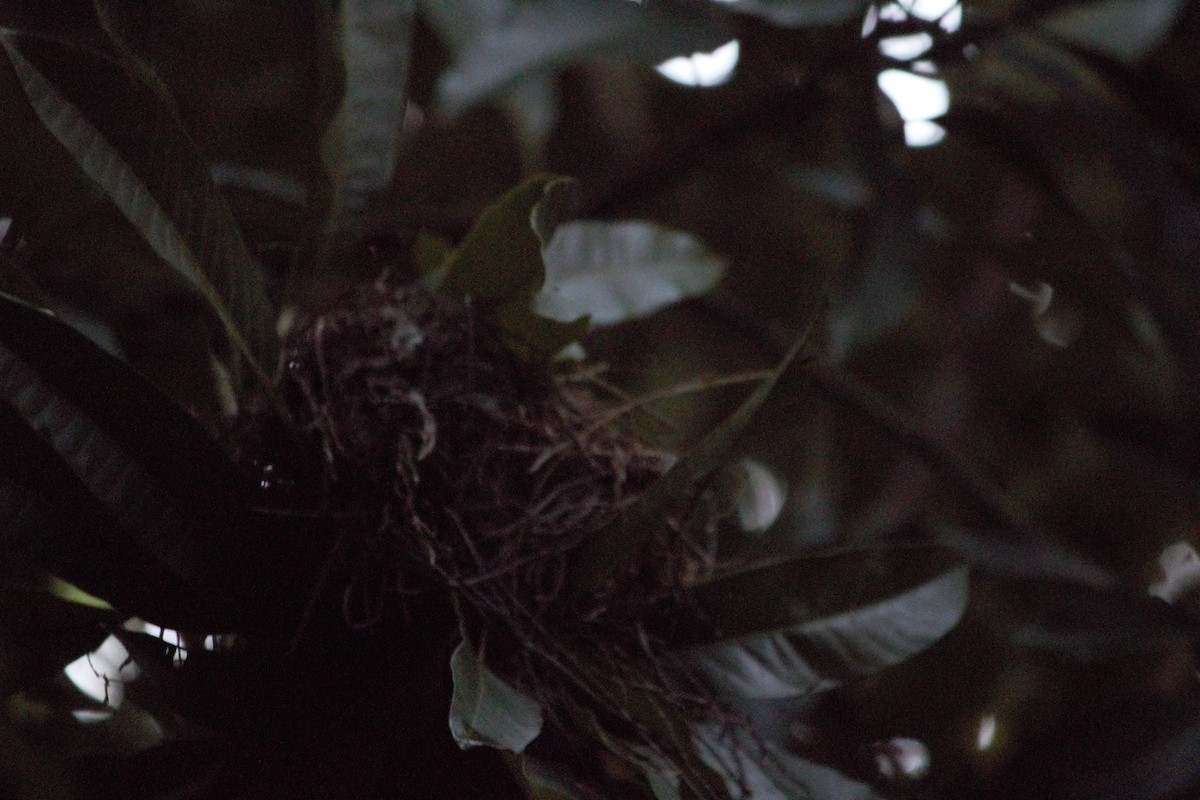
{"x": 611, "y": 549}
{"x": 615, "y": 271}
{"x": 487, "y": 712}
{"x": 496, "y": 44}
{"x": 364, "y": 138}
{"x": 123, "y": 134}
{"x": 109, "y": 484}
{"x": 797, "y": 626}
{"x": 499, "y": 266}
{"x": 500, "y": 260}
{"x": 536, "y": 338}
{"x": 429, "y": 253}
{"x": 801, "y": 13}
{"x": 1125, "y": 30}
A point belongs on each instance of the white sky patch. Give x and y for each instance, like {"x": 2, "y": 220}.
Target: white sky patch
{"x": 919, "y": 99}
{"x": 703, "y": 69}
{"x": 102, "y": 674}
{"x": 915, "y": 96}
{"x": 906, "y": 48}
{"x": 923, "y": 133}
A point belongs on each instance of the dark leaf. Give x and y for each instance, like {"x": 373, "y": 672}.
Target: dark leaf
{"x": 121, "y": 132}
{"x": 108, "y": 482}
{"x": 611, "y": 549}
{"x": 365, "y": 136}
{"x": 793, "y": 627}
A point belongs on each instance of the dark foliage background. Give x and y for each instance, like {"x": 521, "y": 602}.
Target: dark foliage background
{"x": 1006, "y": 360}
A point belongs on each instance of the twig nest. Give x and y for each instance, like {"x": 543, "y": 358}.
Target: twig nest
{"x": 468, "y": 465}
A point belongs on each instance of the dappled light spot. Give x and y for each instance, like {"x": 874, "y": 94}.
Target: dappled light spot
{"x": 985, "y": 736}
{"x": 760, "y": 497}
{"x": 902, "y": 758}
{"x": 703, "y": 69}
{"x": 1178, "y": 572}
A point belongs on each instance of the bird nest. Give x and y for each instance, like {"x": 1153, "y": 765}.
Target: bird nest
{"x": 470, "y": 471}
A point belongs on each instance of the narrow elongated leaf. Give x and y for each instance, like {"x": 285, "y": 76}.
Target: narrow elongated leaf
{"x": 755, "y": 770}
{"x": 487, "y": 712}
{"x": 105, "y": 480}
{"x": 615, "y": 271}
{"x": 1126, "y": 30}
{"x": 802, "y": 13}
{"x": 124, "y": 136}
{"x": 376, "y": 43}
{"x": 497, "y": 42}
{"x": 609, "y": 551}
{"x": 799, "y": 626}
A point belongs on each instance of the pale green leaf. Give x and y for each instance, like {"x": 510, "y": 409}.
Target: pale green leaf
{"x": 616, "y": 271}
{"x": 487, "y": 712}
{"x": 500, "y": 260}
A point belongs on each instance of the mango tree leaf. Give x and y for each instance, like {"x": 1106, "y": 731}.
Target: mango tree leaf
{"x": 616, "y": 271}
{"x": 111, "y": 485}
{"x": 120, "y": 131}
{"x": 487, "y": 712}
{"x": 500, "y": 260}
{"x": 1125, "y": 30}
{"x": 499, "y": 266}
{"x": 801, "y": 13}
{"x": 498, "y": 42}
{"x": 794, "y": 627}
{"x": 611, "y": 549}
{"x": 376, "y": 45}
{"x": 756, "y": 770}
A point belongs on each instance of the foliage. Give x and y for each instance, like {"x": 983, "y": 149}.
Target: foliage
{"x": 308, "y": 355}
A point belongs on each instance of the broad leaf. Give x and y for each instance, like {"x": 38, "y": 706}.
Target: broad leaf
{"x": 755, "y": 770}
{"x": 500, "y": 260}
{"x": 1126, "y": 30}
{"x": 487, "y": 712}
{"x": 376, "y": 44}
{"x": 497, "y": 42}
{"x": 798, "y": 626}
{"x": 611, "y": 549}
{"x": 615, "y": 271}
{"x": 107, "y": 482}
{"x": 802, "y": 13}
{"x": 121, "y": 132}
{"x": 499, "y": 266}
